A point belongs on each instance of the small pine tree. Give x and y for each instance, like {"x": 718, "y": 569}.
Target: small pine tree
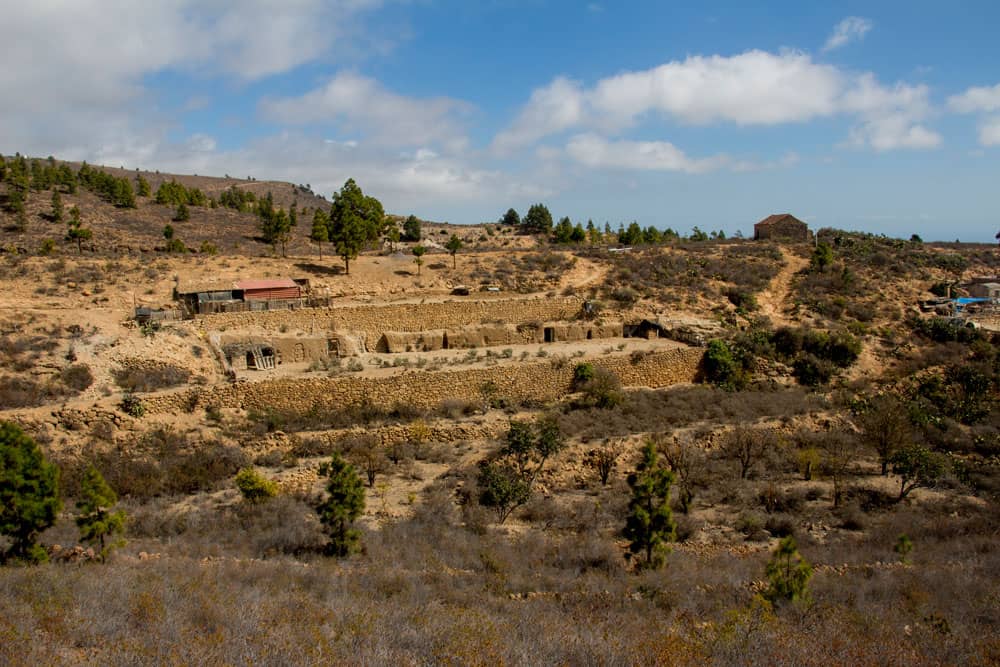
{"x": 182, "y": 214}
{"x": 77, "y": 232}
{"x": 453, "y": 245}
{"x": 822, "y": 257}
{"x": 29, "y": 494}
{"x": 418, "y": 256}
{"x": 903, "y": 547}
{"x": 788, "y": 573}
{"x": 650, "y": 523}
{"x": 142, "y": 185}
{"x": 96, "y": 521}
{"x": 345, "y": 503}
{"x": 320, "y": 233}
{"x": 57, "y": 207}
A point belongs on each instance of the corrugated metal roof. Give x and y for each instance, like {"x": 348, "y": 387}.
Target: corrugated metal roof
{"x": 276, "y": 283}
{"x": 206, "y": 286}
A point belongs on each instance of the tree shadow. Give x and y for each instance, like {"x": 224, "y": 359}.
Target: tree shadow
{"x": 404, "y": 272}
{"x": 320, "y": 269}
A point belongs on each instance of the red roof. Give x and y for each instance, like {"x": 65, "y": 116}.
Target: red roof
{"x": 275, "y": 283}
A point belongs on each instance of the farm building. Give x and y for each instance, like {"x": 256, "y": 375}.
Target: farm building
{"x": 269, "y": 290}
{"x": 261, "y": 353}
{"x": 985, "y": 291}
{"x": 784, "y": 226}
{"x": 491, "y": 335}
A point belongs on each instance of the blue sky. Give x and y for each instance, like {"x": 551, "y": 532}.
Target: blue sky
{"x": 882, "y": 116}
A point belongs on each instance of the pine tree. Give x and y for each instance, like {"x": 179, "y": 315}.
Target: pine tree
{"x": 345, "y": 503}
{"x": 411, "y": 229}
{"x": 320, "y": 233}
{"x": 355, "y": 222}
{"x": 182, "y": 214}
{"x": 57, "y": 207}
{"x": 96, "y": 521}
{"x": 77, "y": 232}
{"x": 453, "y": 245}
{"x": 418, "y": 256}
{"x": 29, "y": 494}
{"x": 123, "y": 195}
{"x": 537, "y": 220}
{"x": 510, "y": 218}
{"x": 650, "y": 523}
{"x": 142, "y": 185}
{"x": 788, "y": 573}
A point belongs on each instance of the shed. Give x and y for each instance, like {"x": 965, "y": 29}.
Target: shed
{"x": 985, "y": 291}
{"x": 269, "y": 290}
{"x": 783, "y": 226}
{"x": 645, "y": 329}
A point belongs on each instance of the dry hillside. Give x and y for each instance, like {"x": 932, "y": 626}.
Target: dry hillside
{"x": 771, "y": 387}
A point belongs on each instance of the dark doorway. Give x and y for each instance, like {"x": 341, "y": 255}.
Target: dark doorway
{"x": 549, "y": 334}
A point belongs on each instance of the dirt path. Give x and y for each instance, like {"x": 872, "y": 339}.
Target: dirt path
{"x": 585, "y": 273}
{"x": 776, "y": 298}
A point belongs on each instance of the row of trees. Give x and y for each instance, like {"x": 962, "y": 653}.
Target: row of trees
{"x": 538, "y": 220}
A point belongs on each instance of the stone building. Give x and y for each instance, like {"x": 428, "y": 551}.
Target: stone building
{"x": 781, "y": 226}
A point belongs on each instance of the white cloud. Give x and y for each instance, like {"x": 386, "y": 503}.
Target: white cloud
{"x": 893, "y": 132}
{"x": 551, "y": 109}
{"x": 74, "y": 72}
{"x": 751, "y": 88}
{"x": 889, "y": 117}
{"x": 359, "y": 103}
{"x": 981, "y": 99}
{"x": 989, "y": 132}
{"x": 853, "y": 28}
{"x": 597, "y": 152}
{"x": 976, "y": 99}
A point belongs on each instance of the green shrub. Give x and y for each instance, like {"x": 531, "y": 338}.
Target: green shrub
{"x": 255, "y": 487}
{"x": 720, "y": 367}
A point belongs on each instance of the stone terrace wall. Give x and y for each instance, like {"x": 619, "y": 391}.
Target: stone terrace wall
{"x": 374, "y": 320}
{"x": 542, "y": 381}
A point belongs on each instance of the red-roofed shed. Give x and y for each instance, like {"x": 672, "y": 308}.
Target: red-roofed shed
{"x": 269, "y": 290}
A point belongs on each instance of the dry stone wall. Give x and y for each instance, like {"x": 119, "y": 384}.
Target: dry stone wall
{"x": 543, "y": 381}
{"x": 374, "y": 320}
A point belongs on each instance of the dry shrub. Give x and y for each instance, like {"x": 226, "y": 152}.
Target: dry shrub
{"x": 151, "y": 378}
{"x": 164, "y": 462}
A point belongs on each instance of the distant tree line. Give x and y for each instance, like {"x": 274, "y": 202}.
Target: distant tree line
{"x": 538, "y": 221}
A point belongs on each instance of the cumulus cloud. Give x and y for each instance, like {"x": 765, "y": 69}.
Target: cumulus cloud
{"x": 74, "y": 73}
{"x": 980, "y": 99}
{"x": 751, "y": 88}
{"x": 976, "y": 99}
{"x": 851, "y": 29}
{"x": 551, "y": 109}
{"x": 359, "y": 103}
{"x": 595, "y": 151}
{"x": 989, "y": 132}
